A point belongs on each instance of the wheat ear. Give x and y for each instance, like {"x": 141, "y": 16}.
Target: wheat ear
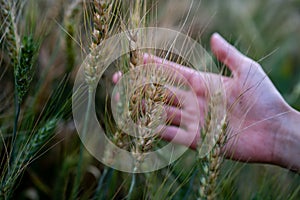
{"x": 101, "y": 11}
{"x": 25, "y": 156}
{"x": 24, "y": 69}
{"x": 12, "y": 39}
{"x": 210, "y": 164}
{"x": 8, "y": 14}
{"x": 22, "y": 57}
{"x": 135, "y": 60}
{"x": 99, "y": 33}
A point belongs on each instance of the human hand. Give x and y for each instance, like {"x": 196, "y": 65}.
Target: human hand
{"x": 259, "y": 119}
{"x": 254, "y": 106}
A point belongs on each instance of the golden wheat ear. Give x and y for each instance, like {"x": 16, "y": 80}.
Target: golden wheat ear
{"x": 100, "y": 18}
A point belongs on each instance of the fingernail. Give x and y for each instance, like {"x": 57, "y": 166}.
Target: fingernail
{"x": 116, "y": 77}
{"x": 145, "y": 58}
{"x": 218, "y": 37}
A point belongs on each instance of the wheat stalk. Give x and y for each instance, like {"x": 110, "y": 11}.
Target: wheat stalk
{"x": 12, "y": 39}
{"x": 135, "y": 60}
{"x": 22, "y": 55}
{"x": 23, "y": 73}
{"x": 101, "y": 10}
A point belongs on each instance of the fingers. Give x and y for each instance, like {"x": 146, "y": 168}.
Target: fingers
{"x": 182, "y": 71}
{"x": 116, "y": 77}
{"x": 185, "y": 71}
{"x": 182, "y": 75}
{"x": 173, "y": 115}
{"x": 200, "y": 82}
{"x": 229, "y": 55}
{"x": 178, "y": 72}
{"x": 175, "y": 96}
{"x": 180, "y": 136}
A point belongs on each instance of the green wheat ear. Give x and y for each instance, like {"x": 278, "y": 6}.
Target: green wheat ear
{"x": 24, "y": 68}
{"x": 35, "y": 142}
{"x": 26, "y": 155}
{"x": 38, "y": 140}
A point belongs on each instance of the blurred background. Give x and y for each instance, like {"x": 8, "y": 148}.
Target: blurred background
{"x": 267, "y": 31}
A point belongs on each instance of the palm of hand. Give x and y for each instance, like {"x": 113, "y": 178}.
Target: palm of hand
{"x": 253, "y": 106}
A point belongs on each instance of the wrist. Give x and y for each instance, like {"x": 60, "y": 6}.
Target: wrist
{"x": 286, "y": 151}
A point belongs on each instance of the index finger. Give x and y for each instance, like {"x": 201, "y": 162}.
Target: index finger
{"x": 186, "y": 72}
{"x": 200, "y": 81}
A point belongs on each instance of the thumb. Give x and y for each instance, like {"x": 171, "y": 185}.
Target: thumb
{"x": 228, "y": 54}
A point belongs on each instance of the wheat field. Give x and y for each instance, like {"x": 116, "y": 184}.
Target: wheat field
{"x": 43, "y": 45}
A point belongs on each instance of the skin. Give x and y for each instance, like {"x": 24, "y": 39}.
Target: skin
{"x": 262, "y": 126}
